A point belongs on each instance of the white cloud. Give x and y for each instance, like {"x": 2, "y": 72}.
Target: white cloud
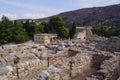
{"x": 19, "y": 4}
{"x": 9, "y": 15}
{"x": 32, "y": 10}
{"x": 30, "y": 6}
{"x": 24, "y": 15}
{"x": 33, "y": 15}
{"x": 13, "y": 16}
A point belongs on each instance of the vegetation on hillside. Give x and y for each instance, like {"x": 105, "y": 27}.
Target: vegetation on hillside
{"x": 106, "y": 31}
{"x": 106, "y": 28}
{"x": 18, "y": 32}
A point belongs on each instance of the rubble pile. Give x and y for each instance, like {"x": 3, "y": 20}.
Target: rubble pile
{"x": 65, "y": 60}
{"x": 109, "y": 70}
{"x": 111, "y": 44}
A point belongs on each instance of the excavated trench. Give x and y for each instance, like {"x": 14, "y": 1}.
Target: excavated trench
{"x": 97, "y": 60}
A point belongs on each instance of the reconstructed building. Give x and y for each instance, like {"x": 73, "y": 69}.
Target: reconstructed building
{"x": 83, "y": 32}
{"x": 45, "y": 38}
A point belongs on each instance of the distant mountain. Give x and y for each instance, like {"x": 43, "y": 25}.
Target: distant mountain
{"x": 95, "y": 13}
{"x": 108, "y": 16}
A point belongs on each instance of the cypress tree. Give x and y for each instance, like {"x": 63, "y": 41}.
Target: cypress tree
{"x": 73, "y": 30}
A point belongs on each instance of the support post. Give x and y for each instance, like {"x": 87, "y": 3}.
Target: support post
{"x": 71, "y": 68}
{"x": 48, "y": 61}
{"x": 16, "y": 61}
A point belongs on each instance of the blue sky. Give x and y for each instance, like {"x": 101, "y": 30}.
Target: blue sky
{"x": 18, "y": 9}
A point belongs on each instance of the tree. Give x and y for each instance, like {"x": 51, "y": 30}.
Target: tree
{"x": 55, "y": 22}
{"x": 39, "y": 29}
{"x": 57, "y": 25}
{"x": 19, "y": 33}
{"x": 26, "y": 26}
{"x": 73, "y": 30}
{"x": 30, "y": 28}
{"x": 62, "y": 32}
{"x": 45, "y": 25}
{"x": 6, "y": 28}
{"x": 12, "y": 32}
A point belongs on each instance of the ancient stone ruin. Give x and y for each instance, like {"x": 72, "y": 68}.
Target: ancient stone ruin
{"x": 65, "y": 60}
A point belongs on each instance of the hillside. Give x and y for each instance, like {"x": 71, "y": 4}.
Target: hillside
{"x": 108, "y": 15}
{"x": 99, "y": 13}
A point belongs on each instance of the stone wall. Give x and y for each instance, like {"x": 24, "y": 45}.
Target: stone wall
{"x": 69, "y": 67}
{"x": 109, "y": 69}
{"x": 28, "y": 64}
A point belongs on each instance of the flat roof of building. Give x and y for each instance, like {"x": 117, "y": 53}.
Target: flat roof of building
{"x": 83, "y": 27}
{"x": 46, "y": 34}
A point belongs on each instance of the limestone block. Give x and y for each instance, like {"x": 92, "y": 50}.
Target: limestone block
{"x": 21, "y": 65}
{"x": 9, "y": 60}
{"x": 44, "y": 75}
{"x": 22, "y": 74}
{"x": 2, "y": 62}
{"x": 66, "y": 77}
{"x": 91, "y": 79}
{"x": 5, "y": 70}
{"x": 44, "y": 63}
{"x": 3, "y": 77}
{"x": 119, "y": 78}
{"x": 55, "y": 76}
{"x": 20, "y": 70}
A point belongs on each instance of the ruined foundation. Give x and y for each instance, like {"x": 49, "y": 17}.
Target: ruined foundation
{"x": 70, "y": 63}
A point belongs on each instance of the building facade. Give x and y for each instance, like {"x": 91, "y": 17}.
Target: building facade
{"x": 83, "y": 32}
{"x": 45, "y": 38}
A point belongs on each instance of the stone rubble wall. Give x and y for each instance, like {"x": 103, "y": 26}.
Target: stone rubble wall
{"x": 28, "y": 64}
{"x": 60, "y": 57}
{"x": 81, "y": 62}
{"x": 109, "y": 69}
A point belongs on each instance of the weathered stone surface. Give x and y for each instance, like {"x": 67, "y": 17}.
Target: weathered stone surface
{"x": 66, "y": 61}
{"x": 119, "y": 78}
{"x": 111, "y": 44}
{"x": 5, "y": 70}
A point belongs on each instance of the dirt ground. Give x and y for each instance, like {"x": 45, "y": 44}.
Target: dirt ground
{"x": 84, "y": 74}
